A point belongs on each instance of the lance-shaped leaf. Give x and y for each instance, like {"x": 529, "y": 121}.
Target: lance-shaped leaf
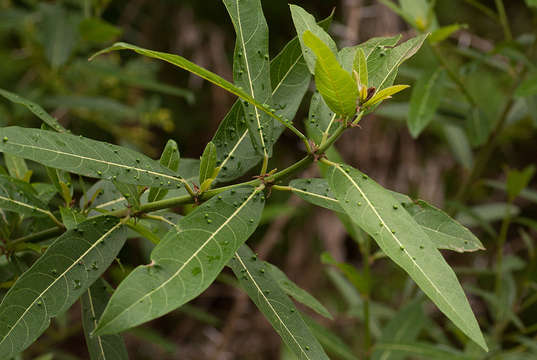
{"x": 444, "y": 231}
{"x": 384, "y": 62}
{"x": 385, "y": 94}
{"x": 36, "y": 109}
{"x": 86, "y": 157}
{"x": 278, "y": 309}
{"x": 207, "y": 165}
{"x": 185, "y": 262}
{"x": 17, "y": 168}
{"x": 107, "y": 347}
{"x": 201, "y": 72}
{"x": 251, "y": 67}
{"x": 170, "y": 158}
{"x": 360, "y": 66}
{"x": 424, "y": 351}
{"x": 337, "y": 86}
{"x": 315, "y": 191}
{"x": 71, "y": 217}
{"x": 20, "y": 197}
{"x": 290, "y": 79}
{"x": 296, "y": 292}
{"x": 329, "y": 340}
{"x": 424, "y": 101}
{"x": 376, "y": 211}
{"x": 303, "y": 22}
{"x": 56, "y": 280}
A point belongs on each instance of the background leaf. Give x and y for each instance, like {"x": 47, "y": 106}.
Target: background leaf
{"x": 186, "y": 261}
{"x": 107, "y": 347}
{"x": 20, "y": 197}
{"x": 56, "y": 280}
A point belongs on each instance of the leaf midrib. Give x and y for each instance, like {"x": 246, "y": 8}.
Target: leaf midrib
{"x": 94, "y": 317}
{"x": 397, "y": 240}
{"x": 24, "y": 205}
{"x": 98, "y": 241}
{"x": 194, "y": 255}
{"x": 270, "y": 305}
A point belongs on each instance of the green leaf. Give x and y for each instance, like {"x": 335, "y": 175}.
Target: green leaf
{"x": 444, "y": 32}
{"x": 57, "y": 33}
{"x": 518, "y": 180}
{"x": 303, "y": 22}
{"x": 19, "y": 196}
{"x": 399, "y": 236}
{"x": 208, "y": 163}
{"x": 95, "y": 30}
{"x": 315, "y": 191}
{"x": 443, "y": 231}
{"x": 86, "y": 157}
{"x": 170, "y": 158}
{"x": 201, "y": 72}
{"x": 360, "y": 66}
{"x": 385, "y": 94}
{"x": 531, "y": 3}
{"x": 104, "y": 196}
{"x": 424, "y": 101}
{"x": 17, "y": 168}
{"x": 361, "y": 283}
{"x": 458, "y": 143}
{"x": 251, "y": 69}
{"x": 107, "y": 347}
{"x": 478, "y": 126}
{"x": 337, "y": 86}
{"x": 290, "y": 79}
{"x": 56, "y": 280}
{"x": 296, "y": 292}
{"x": 404, "y": 327}
{"x": 321, "y": 121}
{"x": 34, "y": 108}
{"x": 278, "y": 309}
{"x": 424, "y": 351}
{"x": 71, "y": 217}
{"x": 329, "y": 340}
{"x": 528, "y": 87}
{"x": 384, "y": 62}
{"x": 130, "y": 193}
{"x": 185, "y": 262}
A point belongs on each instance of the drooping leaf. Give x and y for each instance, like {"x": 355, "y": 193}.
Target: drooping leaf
{"x": 86, "y": 157}
{"x": 303, "y": 22}
{"x": 185, "y": 262}
{"x": 315, "y": 191}
{"x": 207, "y": 163}
{"x": 107, "y": 347}
{"x": 36, "y": 109}
{"x": 20, "y": 197}
{"x": 290, "y": 79}
{"x": 201, "y": 72}
{"x": 399, "y": 236}
{"x": 404, "y": 327}
{"x": 170, "y": 158}
{"x": 296, "y": 292}
{"x": 278, "y": 309}
{"x": 56, "y": 280}
{"x": 337, "y": 86}
{"x": 424, "y": 101}
{"x": 251, "y": 69}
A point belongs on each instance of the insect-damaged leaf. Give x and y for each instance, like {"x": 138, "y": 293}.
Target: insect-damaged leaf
{"x": 251, "y": 69}
{"x": 86, "y": 157}
{"x": 377, "y": 212}
{"x": 279, "y": 310}
{"x": 185, "y": 262}
{"x": 56, "y": 280}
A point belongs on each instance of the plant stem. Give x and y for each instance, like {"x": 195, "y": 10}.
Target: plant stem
{"x": 503, "y": 20}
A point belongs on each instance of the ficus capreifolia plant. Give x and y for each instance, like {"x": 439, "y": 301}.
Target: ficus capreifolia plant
{"x": 78, "y": 234}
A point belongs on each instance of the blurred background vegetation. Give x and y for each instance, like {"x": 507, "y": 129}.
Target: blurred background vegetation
{"x": 136, "y": 102}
